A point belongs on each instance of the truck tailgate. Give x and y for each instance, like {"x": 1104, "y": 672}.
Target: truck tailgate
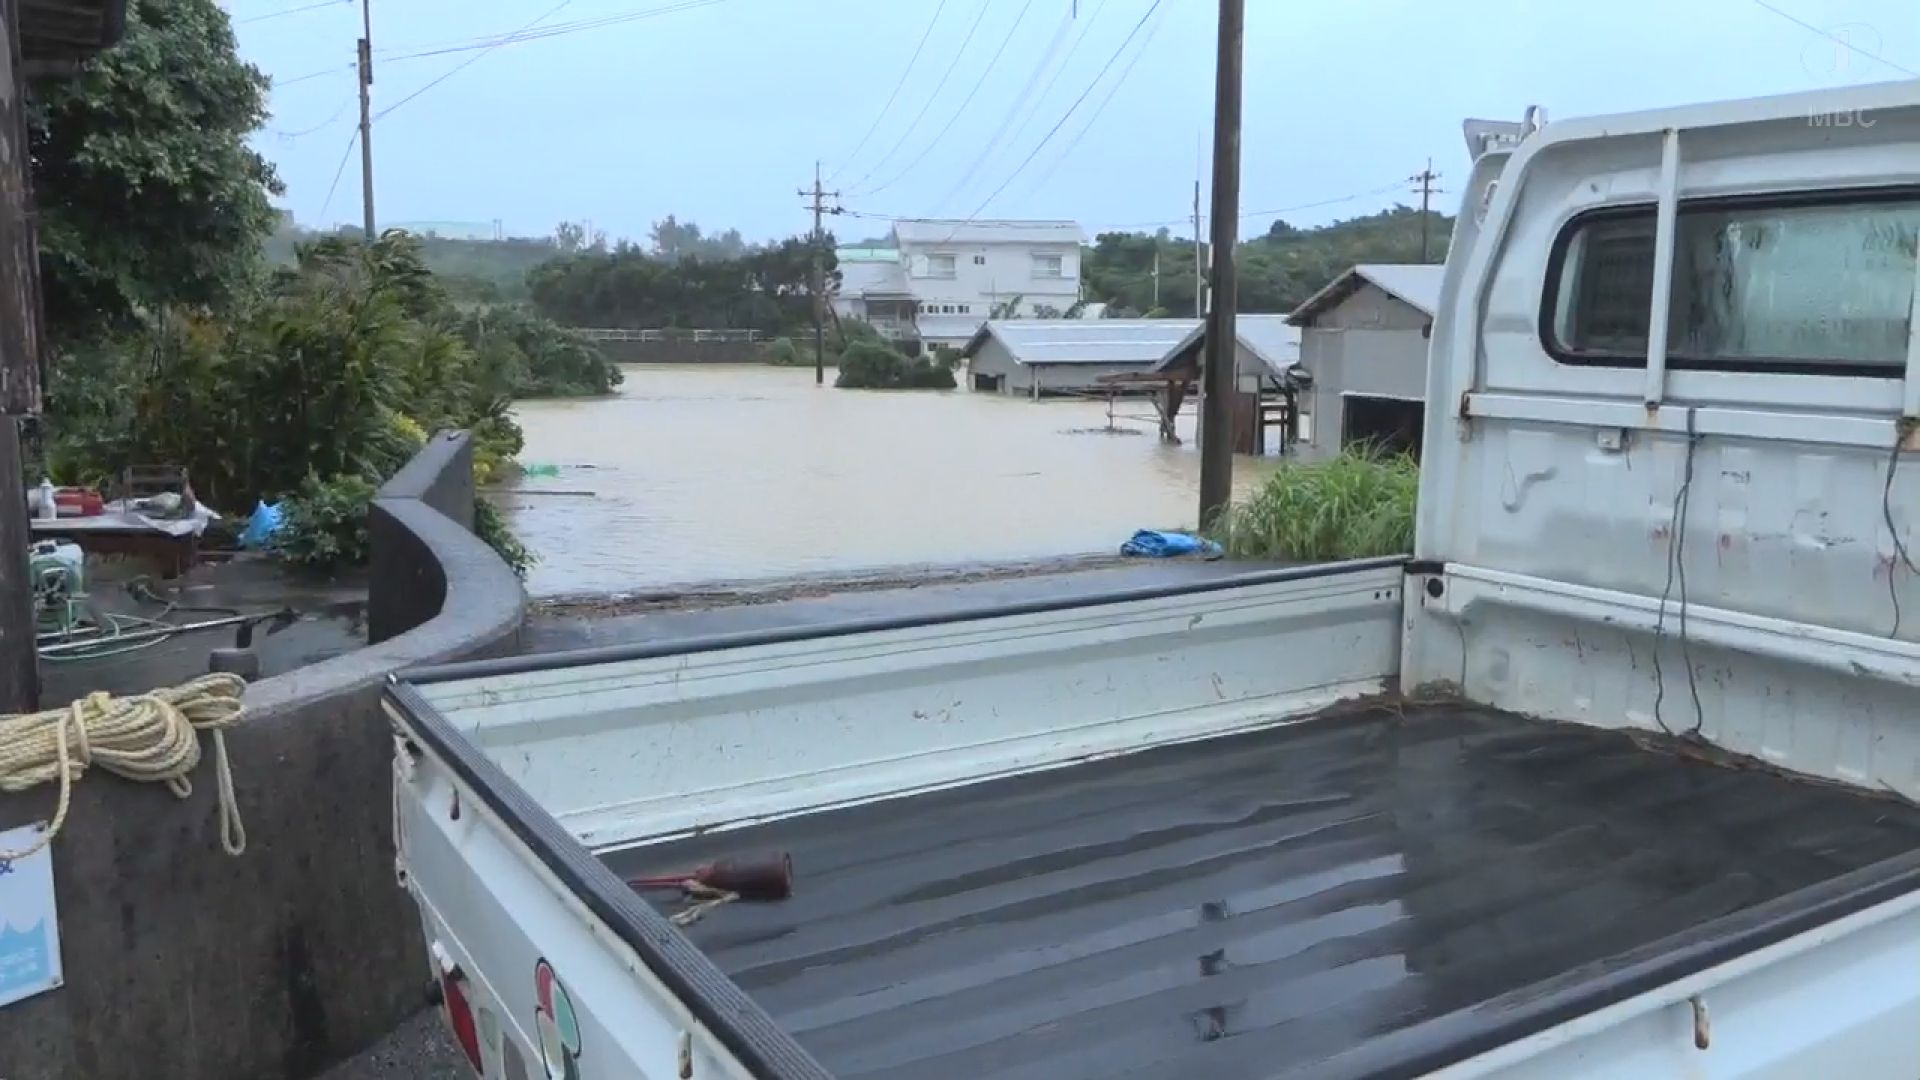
{"x": 1262, "y": 902}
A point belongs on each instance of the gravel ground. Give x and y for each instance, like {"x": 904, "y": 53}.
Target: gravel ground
{"x": 419, "y": 1049}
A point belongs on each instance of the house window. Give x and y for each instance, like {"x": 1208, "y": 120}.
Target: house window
{"x": 979, "y": 260}
{"x": 940, "y": 266}
{"x": 1047, "y": 266}
{"x": 966, "y": 309}
{"x": 1793, "y": 285}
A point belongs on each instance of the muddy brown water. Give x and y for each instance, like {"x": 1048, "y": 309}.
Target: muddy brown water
{"x": 727, "y": 473}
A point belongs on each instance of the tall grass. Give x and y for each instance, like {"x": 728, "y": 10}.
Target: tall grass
{"x": 1353, "y": 506}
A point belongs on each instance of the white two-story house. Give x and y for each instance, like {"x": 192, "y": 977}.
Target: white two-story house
{"x": 950, "y": 276}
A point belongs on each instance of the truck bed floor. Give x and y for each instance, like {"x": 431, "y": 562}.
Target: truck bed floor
{"x": 1253, "y": 904}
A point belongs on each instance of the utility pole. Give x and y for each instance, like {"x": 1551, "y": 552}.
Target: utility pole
{"x": 820, "y": 207}
{"x": 1425, "y": 179}
{"x": 1199, "y": 259}
{"x": 1156, "y": 272}
{"x": 366, "y": 117}
{"x": 1216, "y": 408}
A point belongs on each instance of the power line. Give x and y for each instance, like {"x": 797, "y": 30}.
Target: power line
{"x": 344, "y": 155}
{"x": 1395, "y": 186}
{"x": 1837, "y": 39}
{"x": 556, "y": 30}
{"x": 964, "y": 102}
{"x": 931, "y": 98}
{"x": 907, "y": 72}
{"x": 1094, "y": 117}
{"x": 1055, "y": 129}
{"x": 1033, "y": 107}
{"x": 512, "y": 38}
{"x": 289, "y": 11}
{"x": 468, "y": 62}
{"x": 328, "y": 122}
{"x": 1000, "y": 129}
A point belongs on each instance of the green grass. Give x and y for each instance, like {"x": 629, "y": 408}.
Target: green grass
{"x": 1351, "y": 507}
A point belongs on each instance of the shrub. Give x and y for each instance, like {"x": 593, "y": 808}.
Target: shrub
{"x": 490, "y": 525}
{"x": 1356, "y": 505}
{"x": 782, "y": 352}
{"x": 869, "y": 365}
{"x": 325, "y": 524}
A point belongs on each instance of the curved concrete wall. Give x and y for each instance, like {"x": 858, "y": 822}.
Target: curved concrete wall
{"x": 183, "y": 962}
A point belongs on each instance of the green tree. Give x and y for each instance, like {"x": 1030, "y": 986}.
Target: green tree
{"x": 147, "y": 192}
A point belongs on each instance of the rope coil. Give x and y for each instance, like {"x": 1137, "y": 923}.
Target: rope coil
{"x": 149, "y": 738}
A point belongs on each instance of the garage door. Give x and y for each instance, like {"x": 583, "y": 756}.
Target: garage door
{"x": 1388, "y": 425}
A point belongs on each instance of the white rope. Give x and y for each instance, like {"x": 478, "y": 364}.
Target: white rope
{"x": 151, "y": 738}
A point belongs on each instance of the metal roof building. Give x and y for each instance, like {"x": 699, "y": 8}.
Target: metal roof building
{"x": 1364, "y": 342}
{"x": 1268, "y": 346}
{"x": 1056, "y": 356}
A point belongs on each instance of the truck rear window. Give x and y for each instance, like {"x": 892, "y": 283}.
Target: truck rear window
{"x": 1821, "y": 287}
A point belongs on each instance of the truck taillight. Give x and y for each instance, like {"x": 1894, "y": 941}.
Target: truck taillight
{"x": 453, "y": 996}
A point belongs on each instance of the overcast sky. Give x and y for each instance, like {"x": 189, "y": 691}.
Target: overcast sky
{"x": 715, "y": 110}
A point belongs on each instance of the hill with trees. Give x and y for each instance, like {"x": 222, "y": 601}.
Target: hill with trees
{"x": 1277, "y": 269}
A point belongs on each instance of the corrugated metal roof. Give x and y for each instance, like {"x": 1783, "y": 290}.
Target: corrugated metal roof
{"x": 1414, "y": 284}
{"x": 1271, "y": 338}
{"x": 1085, "y": 341}
{"x": 872, "y": 278}
{"x": 960, "y": 231}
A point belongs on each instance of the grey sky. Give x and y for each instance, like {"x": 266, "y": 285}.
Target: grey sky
{"x": 716, "y": 112}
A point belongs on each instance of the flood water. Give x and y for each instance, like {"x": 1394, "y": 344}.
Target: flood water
{"x": 699, "y": 473}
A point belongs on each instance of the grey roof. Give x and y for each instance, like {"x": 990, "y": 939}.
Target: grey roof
{"x": 1084, "y": 341}
{"x": 961, "y": 231}
{"x": 1413, "y": 284}
{"x": 1269, "y": 337}
{"x": 862, "y": 277}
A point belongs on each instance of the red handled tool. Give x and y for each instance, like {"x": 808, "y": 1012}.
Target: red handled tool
{"x": 754, "y": 877}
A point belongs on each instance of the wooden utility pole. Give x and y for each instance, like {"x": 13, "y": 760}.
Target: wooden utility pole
{"x": 20, "y": 371}
{"x": 1216, "y": 407}
{"x": 820, "y": 207}
{"x": 1199, "y": 259}
{"x": 1425, "y": 179}
{"x": 366, "y": 117}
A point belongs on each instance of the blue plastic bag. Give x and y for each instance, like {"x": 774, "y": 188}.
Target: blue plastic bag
{"x": 1154, "y": 544}
{"x": 261, "y": 526}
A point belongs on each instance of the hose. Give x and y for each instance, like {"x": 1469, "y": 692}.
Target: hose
{"x": 150, "y": 738}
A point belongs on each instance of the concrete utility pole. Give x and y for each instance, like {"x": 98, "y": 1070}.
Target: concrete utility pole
{"x": 1199, "y": 260}
{"x": 1425, "y": 179}
{"x": 366, "y": 117}
{"x": 820, "y": 207}
{"x": 1156, "y": 272}
{"x": 1216, "y": 376}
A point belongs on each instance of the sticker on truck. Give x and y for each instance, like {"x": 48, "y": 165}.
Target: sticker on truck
{"x": 558, "y": 1027}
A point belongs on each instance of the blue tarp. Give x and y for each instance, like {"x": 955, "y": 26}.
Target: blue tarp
{"x": 261, "y": 526}
{"x": 1154, "y": 544}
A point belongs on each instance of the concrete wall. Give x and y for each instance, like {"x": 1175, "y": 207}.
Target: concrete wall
{"x": 1371, "y": 344}
{"x": 682, "y": 352}
{"x": 184, "y": 962}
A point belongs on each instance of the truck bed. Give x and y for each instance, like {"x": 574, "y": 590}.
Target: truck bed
{"x": 1254, "y": 904}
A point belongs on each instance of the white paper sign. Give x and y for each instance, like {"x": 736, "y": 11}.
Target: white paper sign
{"x": 29, "y": 923}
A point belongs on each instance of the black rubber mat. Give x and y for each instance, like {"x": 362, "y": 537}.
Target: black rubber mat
{"x": 1253, "y": 905}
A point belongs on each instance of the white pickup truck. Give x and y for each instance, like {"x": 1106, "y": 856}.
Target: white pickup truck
{"x": 1614, "y": 777}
